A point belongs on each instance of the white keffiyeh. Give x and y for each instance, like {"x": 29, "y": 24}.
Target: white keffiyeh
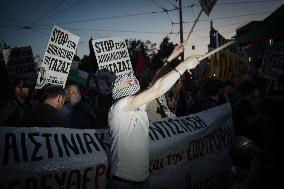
{"x": 127, "y": 91}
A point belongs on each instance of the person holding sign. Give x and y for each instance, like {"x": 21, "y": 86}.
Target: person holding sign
{"x": 158, "y": 108}
{"x": 129, "y": 125}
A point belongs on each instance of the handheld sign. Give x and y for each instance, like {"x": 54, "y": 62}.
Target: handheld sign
{"x": 58, "y": 57}
{"x": 20, "y": 63}
{"x": 207, "y": 5}
{"x": 273, "y": 61}
{"x": 112, "y": 55}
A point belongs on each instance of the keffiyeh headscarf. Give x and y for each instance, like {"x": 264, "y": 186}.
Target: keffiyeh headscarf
{"x": 127, "y": 91}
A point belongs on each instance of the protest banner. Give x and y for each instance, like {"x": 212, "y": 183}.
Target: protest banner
{"x": 231, "y": 66}
{"x": 273, "y": 61}
{"x": 112, "y": 55}
{"x": 51, "y": 158}
{"x": 58, "y": 57}
{"x": 20, "y": 63}
{"x": 192, "y": 151}
{"x": 185, "y": 152}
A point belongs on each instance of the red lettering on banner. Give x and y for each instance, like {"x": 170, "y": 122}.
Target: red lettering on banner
{"x": 77, "y": 177}
{"x": 61, "y": 180}
{"x": 90, "y": 177}
{"x": 100, "y": 171}
{"x": 156, "y": 164}
{"x": 174, "y": 158}
{"x": 86, "y": 178}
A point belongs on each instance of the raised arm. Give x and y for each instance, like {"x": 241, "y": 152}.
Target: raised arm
{"x": 161, "y": 86}
{"x": 166, "y": 67}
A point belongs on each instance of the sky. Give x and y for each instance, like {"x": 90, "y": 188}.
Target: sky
{"x": 29, "y": 22}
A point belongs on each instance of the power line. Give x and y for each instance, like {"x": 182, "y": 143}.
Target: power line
{"x": 174, "y": 5}
{"x": 15, "y": 29}
{"x": 222, "y": 26}
{"x": 171, "y": 31}
{"x": 118, "y": 16}
{"x": 127, "y": 31}
{"x": 48, "y": 12}
{"x": 6, "y": 25}
{"x": 146, "y": 13}
{"x": 41, "y": 32}
{"x": 166, "y": 11}
{"x": 63, "y": 10}
{"x": 227, "y": 17}
{"x": 7, "y": 18}
{"x": 110, "y": 30}
{"x": 8, "y": 13}
{"x": 244, "y": 2}
{"x": 200, "y": 36}
{"x": 155, "y": 3}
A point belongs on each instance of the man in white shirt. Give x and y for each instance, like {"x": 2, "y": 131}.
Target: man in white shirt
{"x": 129, "y": 125}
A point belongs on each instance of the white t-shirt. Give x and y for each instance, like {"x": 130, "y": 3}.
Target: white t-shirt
{"x": 130, "y": 138}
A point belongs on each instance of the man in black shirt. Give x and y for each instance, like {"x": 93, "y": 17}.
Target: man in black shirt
{"x": 46, "y": 113}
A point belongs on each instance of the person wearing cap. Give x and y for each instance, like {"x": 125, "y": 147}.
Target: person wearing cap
{"x": 129, "y": 125}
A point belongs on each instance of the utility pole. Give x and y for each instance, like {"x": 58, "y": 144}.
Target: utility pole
{"x": 180, "y": 27}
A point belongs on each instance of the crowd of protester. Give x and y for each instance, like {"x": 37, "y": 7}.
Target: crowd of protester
{"x": 255, "y": 112}
{"x": 83, "y": 107}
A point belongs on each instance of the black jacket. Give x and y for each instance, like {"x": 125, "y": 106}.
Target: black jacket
{"x": 43, "y": 115}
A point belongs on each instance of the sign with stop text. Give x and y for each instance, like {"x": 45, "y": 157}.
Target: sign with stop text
{"x": 58, "y": 58}
{"x": 112, "y": 55}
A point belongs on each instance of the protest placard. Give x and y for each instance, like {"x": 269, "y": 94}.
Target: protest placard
{"x": 51, "y": 158}
{"x": 273, "y": 61}
{"x": 231, "y": 66}
{"x": 207, "y": 5}
{"x": 58, "y": 57}
{"x": 112, "y": 55}
{"x": 20, "y": 63}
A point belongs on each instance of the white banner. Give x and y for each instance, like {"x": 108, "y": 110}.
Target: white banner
{"x": 192, "y": 151}
{"x": 185, "y": 152}
{"x": 112, "y": 55}
{"x": 51, "y": 158}
{"x": 58, "y": 57}
{"x": 20, "y": 63}
{"x": 189, "y": 152}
